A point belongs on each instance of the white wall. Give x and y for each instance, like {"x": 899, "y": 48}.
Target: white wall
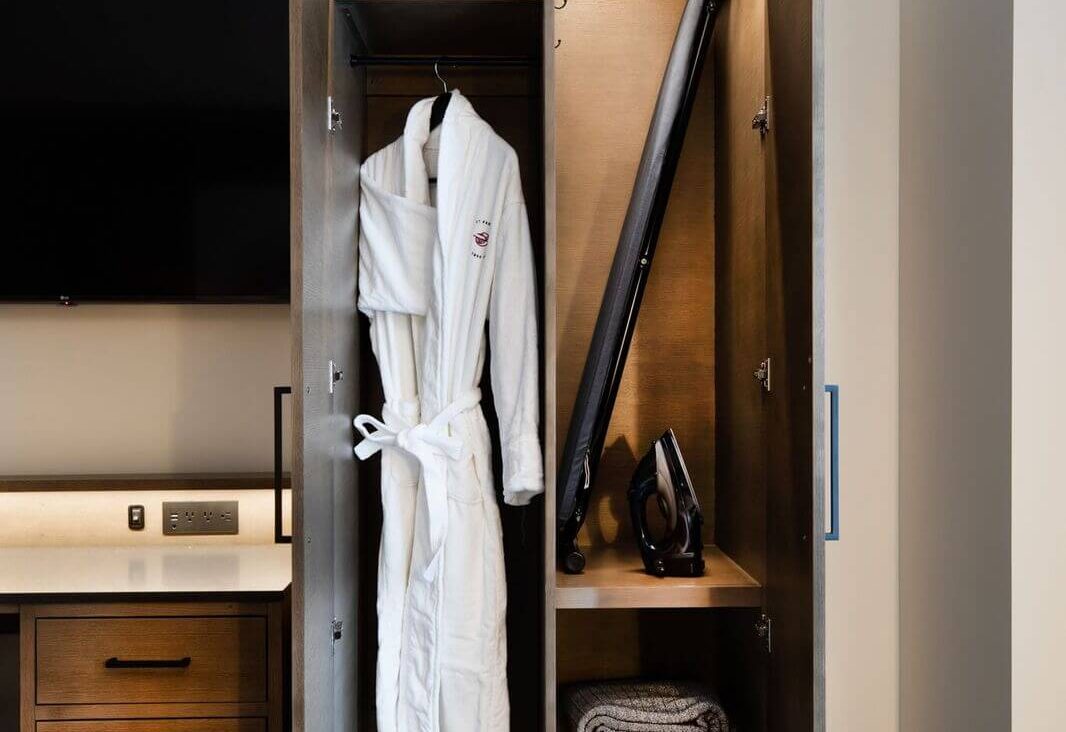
{"x": 955, "y": 365}
{"x": 140, "y": 388}
{"x": 1038, "y": 490}
{"x": 862, "y": 357}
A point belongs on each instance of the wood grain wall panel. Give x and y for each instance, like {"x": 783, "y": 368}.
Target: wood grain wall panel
{"x": 608, "y": 69}
{"x": 739, "y": 55}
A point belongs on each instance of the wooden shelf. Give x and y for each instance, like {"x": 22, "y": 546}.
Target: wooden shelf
{"x": 614, "y": 577}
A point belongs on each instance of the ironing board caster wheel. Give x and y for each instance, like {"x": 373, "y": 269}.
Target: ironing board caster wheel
{"x": 574, "y": 562}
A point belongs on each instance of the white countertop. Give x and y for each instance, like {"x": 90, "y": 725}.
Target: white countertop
{"x": 145, "y": 570}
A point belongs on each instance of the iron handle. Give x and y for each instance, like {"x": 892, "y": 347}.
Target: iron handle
{"x": 834, "y": 462}
{"x": 115, "y": 662}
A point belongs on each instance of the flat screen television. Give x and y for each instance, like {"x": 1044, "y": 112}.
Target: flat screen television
{"x": 145, "y": 151}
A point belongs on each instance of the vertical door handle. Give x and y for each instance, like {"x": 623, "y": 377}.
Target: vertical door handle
{"x": 279, "y": 536}
{"x": 834, "y": 462}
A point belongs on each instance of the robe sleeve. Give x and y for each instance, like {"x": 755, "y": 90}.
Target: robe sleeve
{"x": 515, "y": 361}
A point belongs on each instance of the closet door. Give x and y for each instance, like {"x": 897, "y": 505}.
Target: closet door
{"x": 795, "y": 530}
{"x": 325, "y": 355}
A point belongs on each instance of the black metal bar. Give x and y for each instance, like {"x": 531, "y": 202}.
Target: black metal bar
{"x": 279, "y": 537}
{"x": 446, "y": 61}
{"x": 114, "y": 662}
{"x": 629, "y": 275}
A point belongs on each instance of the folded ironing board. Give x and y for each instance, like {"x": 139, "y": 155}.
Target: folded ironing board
{"x": 629, "y": 275}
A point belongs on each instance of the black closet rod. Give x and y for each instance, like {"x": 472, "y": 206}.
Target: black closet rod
{"x": 499, "y": 61}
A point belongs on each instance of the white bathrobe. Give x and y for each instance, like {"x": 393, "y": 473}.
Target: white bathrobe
{"x": 429, "y": 277}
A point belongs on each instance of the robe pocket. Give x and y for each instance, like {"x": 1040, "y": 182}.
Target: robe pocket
{"x": 464, "y": 482}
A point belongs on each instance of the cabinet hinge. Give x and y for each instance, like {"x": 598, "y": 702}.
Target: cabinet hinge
{"x": 762, "y": 374}
{"x": 764, "y": 629}
{"x": 334, "y": 121}
{"x": 335, "y": 375}
{"x": 761, "y": 120}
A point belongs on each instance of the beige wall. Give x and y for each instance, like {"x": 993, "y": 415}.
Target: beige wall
{"x": 140, "y": 388}
{"x": 862, "y": 357}
{"x": 955, "y": 365}
{"x": 1038, "y": 490}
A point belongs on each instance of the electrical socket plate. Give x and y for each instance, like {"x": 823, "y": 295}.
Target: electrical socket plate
{"x": 186, "y": 518}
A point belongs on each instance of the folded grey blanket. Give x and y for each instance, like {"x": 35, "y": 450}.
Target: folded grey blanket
{"x": 643, "y": 706}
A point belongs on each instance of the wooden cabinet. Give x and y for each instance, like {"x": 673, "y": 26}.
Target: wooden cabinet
{"x": 206, "y": 666}
{"x": 157, "y": 725}
{"x": 737, "y": 281}
{"x": 131, "y": 660}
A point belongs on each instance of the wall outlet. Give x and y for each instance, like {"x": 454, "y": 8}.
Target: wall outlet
{"x": 199, "y": 517}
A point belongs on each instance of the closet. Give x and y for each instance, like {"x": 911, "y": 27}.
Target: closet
{"x": 571, "y": 86}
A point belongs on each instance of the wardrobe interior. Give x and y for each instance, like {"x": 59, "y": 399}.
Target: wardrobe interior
{"x": 730, "y": 286}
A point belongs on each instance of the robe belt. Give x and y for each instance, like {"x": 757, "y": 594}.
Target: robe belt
{"x": 431, "y": 445}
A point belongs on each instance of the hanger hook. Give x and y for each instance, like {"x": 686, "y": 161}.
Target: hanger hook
{"x": 560, "y": 7}
{"x": 436, "y": 71}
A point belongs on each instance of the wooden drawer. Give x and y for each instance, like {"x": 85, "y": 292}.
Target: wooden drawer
{"x": 142, "y": 660}
{"x": 157, "y": 725}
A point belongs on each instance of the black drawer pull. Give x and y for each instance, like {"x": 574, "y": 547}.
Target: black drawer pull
{"x": 148, "y": 663}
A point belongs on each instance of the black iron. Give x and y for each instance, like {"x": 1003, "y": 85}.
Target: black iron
{"x": 452, "y": 61}
{"x": 629, "y": 276}
{"x": 279, "y": 537}
{"x": 678, "y": 551}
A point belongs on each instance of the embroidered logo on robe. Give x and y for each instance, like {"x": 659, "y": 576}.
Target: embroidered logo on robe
{"x": 482, "y": 234}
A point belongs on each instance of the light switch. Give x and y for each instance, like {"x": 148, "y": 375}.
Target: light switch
{"x": 136, "y": 517}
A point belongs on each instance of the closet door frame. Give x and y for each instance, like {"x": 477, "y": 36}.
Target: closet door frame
{"x": 325, "y": 374}
{"x": 550, "y": 341}
{"x": 795, "y": 419}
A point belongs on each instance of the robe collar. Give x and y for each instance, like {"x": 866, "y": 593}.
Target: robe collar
{"x": 416, "y": 134}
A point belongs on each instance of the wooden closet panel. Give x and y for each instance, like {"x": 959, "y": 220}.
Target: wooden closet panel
{"x": 449, "y": 27}
{"x": 347, "y": 89}
{"x": 715, "y": 646}
{"x": 795, "y": 548}
{"x": 608, "y": 69}
{"x": 739, "y": 57}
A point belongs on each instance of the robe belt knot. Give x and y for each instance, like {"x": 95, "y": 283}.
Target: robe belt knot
{"x": 433, "y": 447}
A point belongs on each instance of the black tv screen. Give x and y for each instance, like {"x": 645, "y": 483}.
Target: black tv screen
{"x": 145, "y": 151}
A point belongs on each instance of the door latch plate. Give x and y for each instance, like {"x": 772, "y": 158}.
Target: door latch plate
{"x": 761, "y": 120}
{"x": 764, "y": 629}
{"x": 762, "y": 374}
{"x": 335, "y": 375}
{"x": 334, "y": 120}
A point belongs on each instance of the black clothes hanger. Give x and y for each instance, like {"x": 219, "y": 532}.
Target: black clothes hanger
{"x": 440, "y": 106}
